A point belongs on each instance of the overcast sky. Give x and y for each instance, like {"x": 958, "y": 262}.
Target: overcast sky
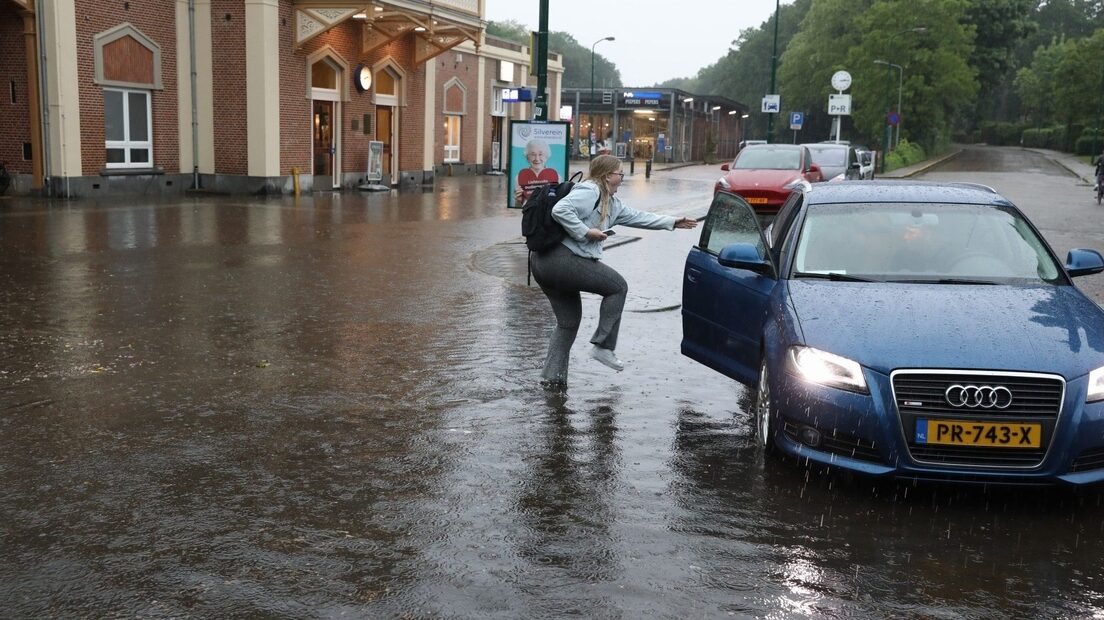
{"x": 654, "y": 41}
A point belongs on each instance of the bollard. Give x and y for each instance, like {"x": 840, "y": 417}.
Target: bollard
{"x": 647, "y": 169}
{"x": 295, "y": 180}
{"x": 632, "y": 166}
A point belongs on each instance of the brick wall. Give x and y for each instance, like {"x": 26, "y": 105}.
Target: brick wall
{"x": 229, "y": 82}
{"x": 467, "y": 73}
{"x": 156, "y": 20}
{"x": 14, "y": 117}
{"x": 295, "y": 108}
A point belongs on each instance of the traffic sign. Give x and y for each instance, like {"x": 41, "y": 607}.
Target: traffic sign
{"x": 796, "y": 120}
{"x": 772, "y": 104}
{"x": 893, "y": 119}
{"x": 839, "y": 105}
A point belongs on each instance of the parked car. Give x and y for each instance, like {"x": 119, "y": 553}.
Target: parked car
{"x": 837, "y": 161}
{"x": 911, "y": 330}
{"x": 744, "y": 143}
{"x": 866, "y": 162}
{"x": 765, "y": 174}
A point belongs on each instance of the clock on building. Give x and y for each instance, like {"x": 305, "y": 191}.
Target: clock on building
{"x": 362, "y": 78}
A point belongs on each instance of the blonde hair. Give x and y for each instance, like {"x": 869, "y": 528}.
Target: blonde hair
{"x": 600, "y": 168}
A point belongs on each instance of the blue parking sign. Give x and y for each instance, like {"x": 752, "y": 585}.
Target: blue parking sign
{"x": 796, "y": 120}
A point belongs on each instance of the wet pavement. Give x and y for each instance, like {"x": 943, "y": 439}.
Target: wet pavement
{"x": 231, "y": 407}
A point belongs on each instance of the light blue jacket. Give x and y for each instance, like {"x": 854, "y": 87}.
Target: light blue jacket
{"x": 577, "y": 213}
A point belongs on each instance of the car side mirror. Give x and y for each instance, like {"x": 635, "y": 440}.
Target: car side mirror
{"x": 855, "y": 165}
{"x": 724, "y": 168}
{"x": 814, "y": 168}
{"x": 744, "y": 256}
{"x": 1084, "y": 263}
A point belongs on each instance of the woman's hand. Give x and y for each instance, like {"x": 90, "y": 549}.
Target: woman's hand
{"x": 685, "y": 222}
{"x": 595, "y": 235}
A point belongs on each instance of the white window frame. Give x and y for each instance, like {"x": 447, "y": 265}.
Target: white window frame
{"x": 498, "y": 106}
{"x": 452, "y": 151}
{"x": 126, "y": 144}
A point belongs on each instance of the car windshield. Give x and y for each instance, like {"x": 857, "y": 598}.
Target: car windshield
{"x": 829, "y": 156}
{"x": 768, "y": 158}
{"x": 945, "y": 243}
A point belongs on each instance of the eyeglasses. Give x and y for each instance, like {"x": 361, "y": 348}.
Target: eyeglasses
{"x": 620, "y": 174}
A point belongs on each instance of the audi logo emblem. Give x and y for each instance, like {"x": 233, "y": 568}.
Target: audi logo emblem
{"x": 978, "y": 396}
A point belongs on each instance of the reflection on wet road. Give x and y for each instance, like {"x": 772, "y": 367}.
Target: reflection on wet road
{"x": 237, "y": 408}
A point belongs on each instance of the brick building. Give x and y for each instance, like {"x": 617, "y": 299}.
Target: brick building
{"x": 250, "y": 96}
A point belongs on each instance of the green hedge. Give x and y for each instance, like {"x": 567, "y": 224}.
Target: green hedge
{"x": 1084, "y": 144}
{"x": 1001, "y": 134}
{"x": 1046, "y": 138}
{"x": 906, "y": 154}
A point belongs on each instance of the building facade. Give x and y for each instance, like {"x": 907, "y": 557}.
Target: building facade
{"x": 659, "y": 124}
{"x": 251, "y": 96}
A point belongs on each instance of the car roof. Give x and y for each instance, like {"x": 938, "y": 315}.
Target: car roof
{"x": 850, "y": 192}
{"x": 824, "y": 146}
{"x": 761, "y": 147}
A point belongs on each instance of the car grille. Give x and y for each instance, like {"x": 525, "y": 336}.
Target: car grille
{"x": 920, "y": 394}
{"x": 1089, "y": 460}
{"x": 842, "y": 444}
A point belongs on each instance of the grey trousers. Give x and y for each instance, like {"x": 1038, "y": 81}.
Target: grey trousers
{"x": 562, "y": 275}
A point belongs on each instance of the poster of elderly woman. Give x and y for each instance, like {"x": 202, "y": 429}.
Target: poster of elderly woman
{"x": 538, "y": 157}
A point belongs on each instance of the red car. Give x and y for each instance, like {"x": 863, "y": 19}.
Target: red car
{"x": 765, "y": 174}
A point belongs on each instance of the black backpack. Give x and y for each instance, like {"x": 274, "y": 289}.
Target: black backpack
{"x": 541, "y": 230}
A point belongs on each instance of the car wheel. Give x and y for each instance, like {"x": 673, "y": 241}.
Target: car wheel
{"x": 763, "y": 431}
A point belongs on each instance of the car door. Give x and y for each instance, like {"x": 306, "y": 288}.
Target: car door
{"x": 724, "y": 308}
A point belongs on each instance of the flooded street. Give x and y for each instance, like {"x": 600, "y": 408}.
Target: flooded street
{"x": 236, "y": 407}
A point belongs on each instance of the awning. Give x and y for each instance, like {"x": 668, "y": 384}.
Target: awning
{"x": 437, "y": 25}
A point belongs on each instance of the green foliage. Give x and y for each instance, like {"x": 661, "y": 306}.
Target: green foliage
{"x": 1090, "y": 142}
{"x": 576, "y": 58}
{"x": 999, "y": 133}
{"x": 1046, "y": 138}
{"x": 743, "y": 74}
{"x": 906, "y": 154}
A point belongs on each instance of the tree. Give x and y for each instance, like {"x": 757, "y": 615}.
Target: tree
{"x": 820, "y": 48}
{"x": 1001, "y": 26}
{"x": 576, "y": 58}
{"x": 743, "y": 74}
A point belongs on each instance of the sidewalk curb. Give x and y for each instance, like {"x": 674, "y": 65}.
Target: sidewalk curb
{"x": 1061, "y": 163}
{"x": 924, "y": 166}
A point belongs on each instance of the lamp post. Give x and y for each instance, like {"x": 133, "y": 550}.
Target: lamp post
{"x": 774, "y": 67}
{"x": 590, "y": 149}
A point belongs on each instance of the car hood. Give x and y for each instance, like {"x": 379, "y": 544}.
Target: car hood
{"x": 767, "y": 179}
{"x": 889, "y": 326}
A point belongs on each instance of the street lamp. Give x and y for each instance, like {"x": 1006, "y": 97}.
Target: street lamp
{"x": 592, "y": 88}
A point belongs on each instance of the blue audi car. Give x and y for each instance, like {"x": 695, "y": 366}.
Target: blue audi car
{"x": 904, "y": 329}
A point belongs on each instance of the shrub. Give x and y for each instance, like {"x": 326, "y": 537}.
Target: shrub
{"x": 906, "y": 154}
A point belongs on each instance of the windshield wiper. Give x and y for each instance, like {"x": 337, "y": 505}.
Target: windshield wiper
{"x": 832, "y": 275}
{"x": 944, "y": 281}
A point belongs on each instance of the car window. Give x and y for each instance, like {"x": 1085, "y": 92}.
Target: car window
{"x": 782, "y": 221}
{"x": 923, "y": 242}
{"x": 730, "y": 220}
{"x": 829, "y": 157}
{"x": 767, "y": 159}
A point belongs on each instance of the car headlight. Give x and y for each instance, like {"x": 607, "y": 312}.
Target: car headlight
{"x": 797, "y": 184}
{"x": 1096, "y": 386}
{"x": 825, "y": 368}
{"x": 723, "y": 182}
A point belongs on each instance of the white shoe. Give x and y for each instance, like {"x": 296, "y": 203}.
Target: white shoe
{"x": 607, "y": 357}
